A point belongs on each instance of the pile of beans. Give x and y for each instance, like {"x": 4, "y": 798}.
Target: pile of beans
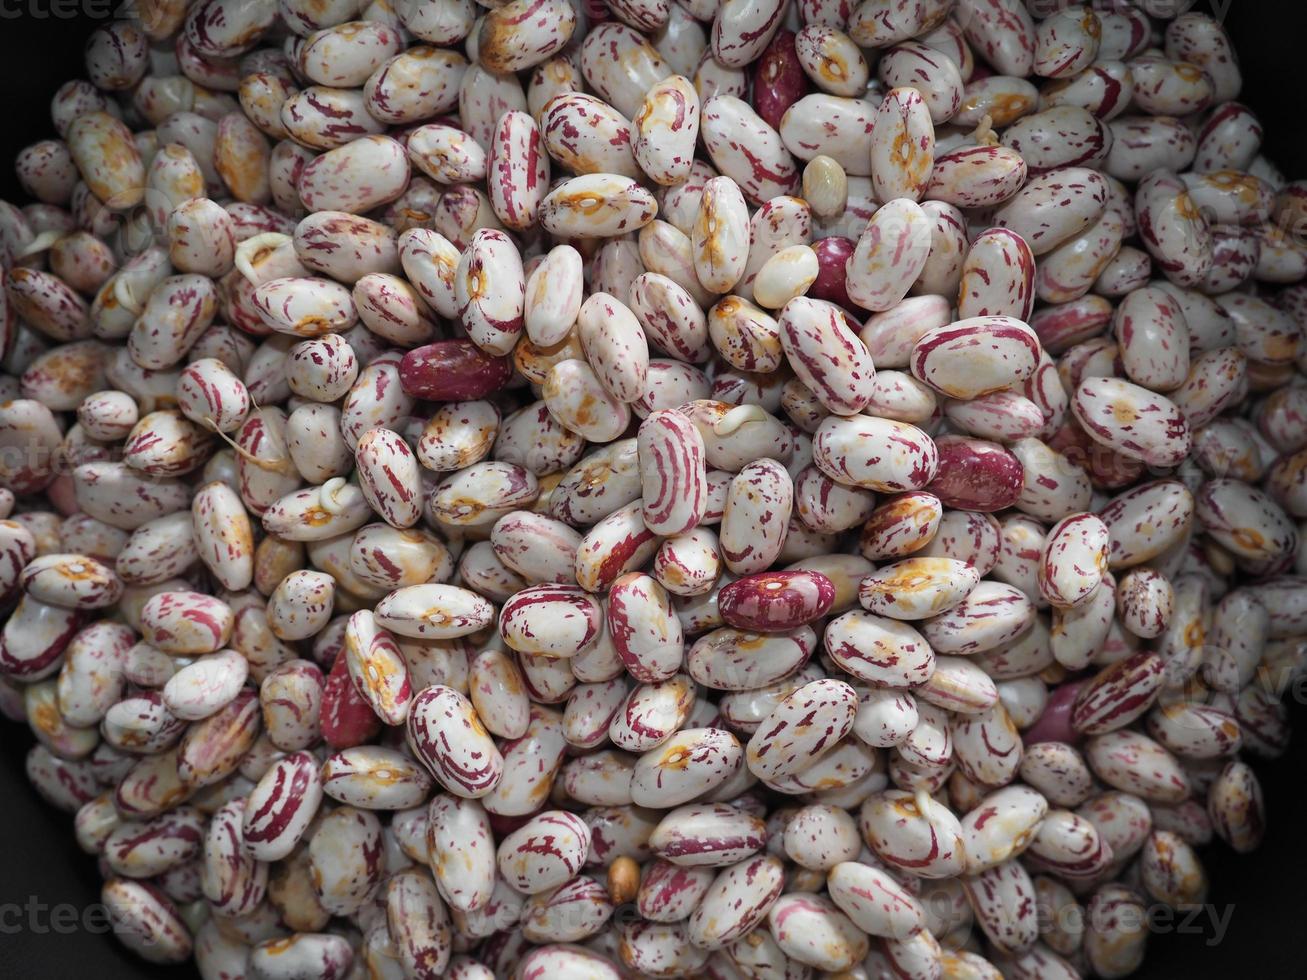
{"x": 627, "y": 488}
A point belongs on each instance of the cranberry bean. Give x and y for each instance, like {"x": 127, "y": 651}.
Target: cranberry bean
{"x": 665, "y": 129}
{"x": 776, "y": 602}
{"x": 707, "y": 834}
{"x": 1132, "y": 420}
{"x": 786, "y": 742}
{"x": 448, "y": 738}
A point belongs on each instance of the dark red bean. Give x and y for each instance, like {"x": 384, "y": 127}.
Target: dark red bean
{"x": 347, "y": 719}
{"x": 453, "y": 371}
{"x": 773, "y": 602}
{"x": 975, "y": 474}
{"x": 778, "y": 79}
{"x": 832, "y": 258}
{"x": 1054, "y": 723}
{"x": 502, "y": 825}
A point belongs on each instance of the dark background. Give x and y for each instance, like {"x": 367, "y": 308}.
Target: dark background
{"x": 40, "y": 861}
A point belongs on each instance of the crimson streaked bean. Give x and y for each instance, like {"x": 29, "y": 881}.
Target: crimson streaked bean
{"x": 1002, "y": 826}
{"x": 877, "y": 454}
{"x": 146, "y": 921}
{"x": 384, "y": 669}
{"x": 1083, "y": 138}
{"x": 1010, "y": 356}
{"x": 812, "y": 930}
{"x": 344, "y": 246}
{"x": 976, "y": 475}
{"x": 1002, "y": 898}
{"x": 1144, "y": 602}
{"x": 548, "y": 851}
{"x": 177, "y": 312}
{"x": 673, "y": 473}
{"x": 991, "y": 614}
{"x": 913, "y": 833}
{"x": 448, "y": 738}
{"x": 785, "y": 743}
{"x": 704, "y": 834}
{"x": 891, "y": 252}
{"x": 1244, "y": 520}
{"x": 433, "y": 611}
{"x": 1053, "y": 207}
{"x": 1132, "y": 420}
{"x": 758, "y": 505}
{"x": 747, "y": 149}
{"x": 280, "y": 808}
{"x": 1133, "y": 762}
{"x": 374, "y": 778}
{"x": 550, "y": 620}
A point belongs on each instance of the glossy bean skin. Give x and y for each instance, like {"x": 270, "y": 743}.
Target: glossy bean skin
{"x": 777, "y": 602}
{"x": 1010, "y": 351}
{"x": 373, "y": 778}
{"x": 673, "y": 473}
{"x": 278, "y": 812}
{"x": 1085, "y": 143}
{"x": 917, "y": 588}
{"x": 733, "y": 659}
{"x": 554, "y": 621}
{"x": 1132, "y": 420}
{"x": 570, "y": 838}
{"x": 688, "y": 564}
{"x": 1038, "y": 215}
{"x": 998, "y": 276}
{"x": 469, "y": 765}
{"x": 719, "y": 235}
{"x": 146, "y": 921}
{"x": 376, "y": 666}
{"x": 816, "y": 334}
{"x": 712, "y": 835}
{"x": 777, "y": 749}
{"x": 974, "y": 474}
{"x": 489, "y": 288}
{"x": 457, "y": 827}
{"x": 645, "y": 632}
{"x": 891, "y": 251}
{"x": 568, "y": 209}
{"x": 853, "y": 451}
{"x": 911, "y": 848}
{"x": 728, "y": 124}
